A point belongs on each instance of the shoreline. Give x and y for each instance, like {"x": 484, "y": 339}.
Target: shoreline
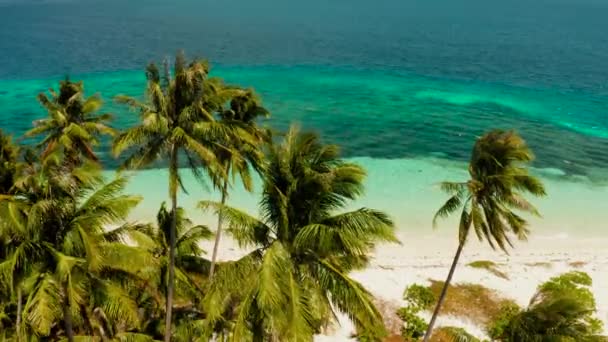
{"x": 420, "y": 259}
{"x": 407, "y": 190}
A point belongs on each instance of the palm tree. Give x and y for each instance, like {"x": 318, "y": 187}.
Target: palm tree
{"x": 9, "y": 155}
{"x": 553, "y": 319}
{"x": 57, "y": 247}
{"x": 190, "y": 267}
{"x": 304, "y": 248}
{"x": 73, "y": 125}
{"x": 245, "y": 109}
{"x": 490, "y": 198}
{"x": 562, "y": 309}
{"x": 177, "y": 119}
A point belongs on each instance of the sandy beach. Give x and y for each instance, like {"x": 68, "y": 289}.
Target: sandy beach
{"x": 420, "y": 258}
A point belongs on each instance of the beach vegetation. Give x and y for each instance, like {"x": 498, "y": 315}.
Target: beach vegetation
{"x": 241, "y": 158}
{"x": 177, "y": 120}
{"x": 418, "y": 298}
{"x": 562, "y": 309}
{"x": 73, "y": 125}
{"x": 490, "y": 202}
{"x": 475, "y": 302}
{"x": 301, "y": 261}
{"x": 74, "y": 267}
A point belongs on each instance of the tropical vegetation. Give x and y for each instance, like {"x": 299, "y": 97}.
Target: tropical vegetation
{"x": 490, "y": 200}
{"x": 75, "y": 266}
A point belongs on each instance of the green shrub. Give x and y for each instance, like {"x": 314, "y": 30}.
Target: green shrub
{"x": 418, "y": 298}
{"x": 414, "y": 327}
{"x": 497, "y": 327}
{"x": 562, "y": 308}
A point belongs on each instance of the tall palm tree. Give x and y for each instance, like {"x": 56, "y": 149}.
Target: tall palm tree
{"x": 244, "y": 111}
{"x": 176, "y": 119}
{"x": 73, "y": 125}
{"x": 304, "y": 247}
{"x": 190, "y": 267}
{"x": 490, "y": 199}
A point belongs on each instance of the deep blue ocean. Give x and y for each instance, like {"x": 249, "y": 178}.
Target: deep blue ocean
{"x": 385, "y": 79}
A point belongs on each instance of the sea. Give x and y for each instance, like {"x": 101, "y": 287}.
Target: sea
{"x": 403, "y": 86}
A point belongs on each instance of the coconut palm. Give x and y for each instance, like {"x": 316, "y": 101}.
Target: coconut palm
{"x": 245, "y": 109}
{"x": 303, "y": 247}
{"x": 56, "y": 248}
{"x": 176, "y": 119}
{"x": 9, "y": 155}
{"x": 553, "y": 319}
{"x": 190, "y": 267}
{"x": 490, "y": 199}
{"x": 34, "y": 181}
{"x": 73, "y": 125}
{"x": 562, "y": 309}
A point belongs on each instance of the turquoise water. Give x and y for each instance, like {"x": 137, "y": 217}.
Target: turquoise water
{"x": 380, "y": 114}
{"x": 404, "y": 86}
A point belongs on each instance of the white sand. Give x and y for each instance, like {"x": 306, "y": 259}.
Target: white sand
{"x": 574, "y": 227}
{"x": 420, "y": 258}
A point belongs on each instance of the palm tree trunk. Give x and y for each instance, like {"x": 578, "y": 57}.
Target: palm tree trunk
{"x": 444, "y": 290}
{"x": 87, "y": 321}
{"x": 67, "y": 313}
{"x": 219, "y": 228}
{"x": 173, "y": 193}
{"x": 18, "y": 323}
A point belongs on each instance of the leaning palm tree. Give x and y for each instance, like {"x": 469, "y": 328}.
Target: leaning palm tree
{"x": 176, "y": 120}
{"x": 73, "y": 125}
{"x": 304, "y": 247}
{"x": 245, "y": 109}
{"x": 489, "y": 201}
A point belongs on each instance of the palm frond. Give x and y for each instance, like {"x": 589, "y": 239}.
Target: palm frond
{"x": 244, "y": 228}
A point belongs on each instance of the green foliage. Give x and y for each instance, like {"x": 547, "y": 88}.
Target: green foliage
{"x": 73, "y": 127}
{"x": 496, "y": 328}
{"x": 492, "y": 199}
{"x": 9, "y": 154}
{"x": 453, "y": 334}
{"x": 178, "y": 119}
{"x": 494, "y": 193}
{"x": 241, "y": 155}
{"x": 563, "y": 309}
{"x": 72, "y": 267}
{"x": 418, "y": 298}
{"x": 302, "y": 261}
{"x": 413, "y": 326}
